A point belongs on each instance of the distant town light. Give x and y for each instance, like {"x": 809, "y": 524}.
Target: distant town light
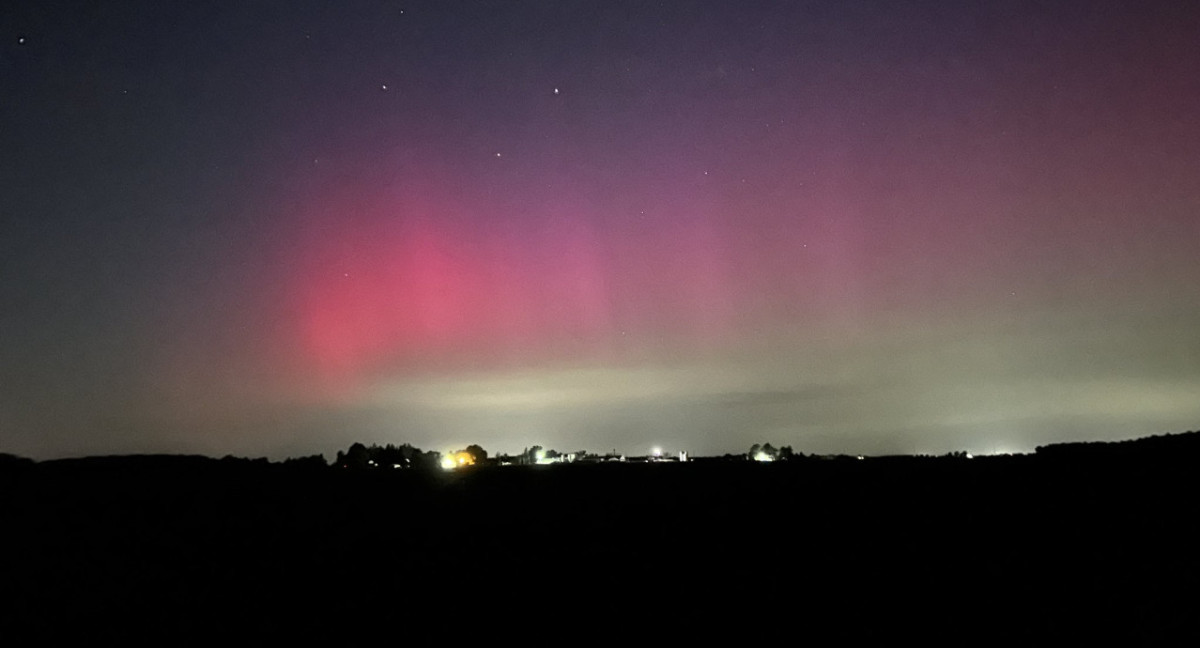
{"x": 656, "y": 451}
{"x": 762, "y": 456}
{"x": 454, "y": 460}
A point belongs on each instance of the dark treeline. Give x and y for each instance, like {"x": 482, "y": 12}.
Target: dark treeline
{"x": 1187, "y": 443}
{"x": 159, "y": 465}
{"x": 361, "y": 456}
{"x": 1050, "y": 548}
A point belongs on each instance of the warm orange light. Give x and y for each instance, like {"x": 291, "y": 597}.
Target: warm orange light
{"x": 457, "y": 459}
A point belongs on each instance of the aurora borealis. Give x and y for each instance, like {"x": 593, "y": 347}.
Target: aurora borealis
{"x": 275, "y": 228}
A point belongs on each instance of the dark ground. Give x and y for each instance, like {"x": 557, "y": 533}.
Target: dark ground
{"x": 1053, "y": 548}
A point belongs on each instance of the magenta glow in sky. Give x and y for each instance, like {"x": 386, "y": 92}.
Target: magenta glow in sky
{"x": 280, "y": 229}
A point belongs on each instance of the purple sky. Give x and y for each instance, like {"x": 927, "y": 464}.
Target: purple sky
{"x": 847, "y": 227}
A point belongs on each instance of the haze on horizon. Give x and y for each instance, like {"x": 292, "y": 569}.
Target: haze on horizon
{"x": 279, "y": 228}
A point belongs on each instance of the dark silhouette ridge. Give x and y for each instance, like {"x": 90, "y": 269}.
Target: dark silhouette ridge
{"x": 1163, "y": 446}
{"x": 11, "y": 462}
{"x": 1054, "y": 547}
{"x": 358, "y": 455}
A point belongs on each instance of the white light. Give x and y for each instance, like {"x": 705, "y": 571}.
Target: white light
{"x": 448, "y": 463}
{"x": 762, "y": 456}
{"x": 656, "y": 451}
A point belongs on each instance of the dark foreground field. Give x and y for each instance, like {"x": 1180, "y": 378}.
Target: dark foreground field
{"x": 1046, "y": 548}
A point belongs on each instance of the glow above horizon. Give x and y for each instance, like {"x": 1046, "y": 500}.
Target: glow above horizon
{"x": 920, "y": 228}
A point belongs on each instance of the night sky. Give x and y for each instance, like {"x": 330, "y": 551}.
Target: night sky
{"x": 275, "y": 228}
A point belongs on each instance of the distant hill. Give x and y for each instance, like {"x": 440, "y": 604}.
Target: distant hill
{"x": 13, "y": 462}
{"x": 1160, "y": 447}
{"x": 1157, "y": 446}
{"x": 156, "y": 464}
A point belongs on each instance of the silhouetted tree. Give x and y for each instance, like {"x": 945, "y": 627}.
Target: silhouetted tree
{"x": 356, "y": 457}
{"x": 389, "y": 456}
{"x": 530, "y": 455}
{"x": 430, "y": 460}
{"x": 410, "y": 454}
{"x": 478, "y": 454}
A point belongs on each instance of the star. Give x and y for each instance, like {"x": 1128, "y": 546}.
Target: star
{"x": 497, "y": 155}
{"x": 383, "y": 87}
{"x": 556, "y": 91}
{"x": 21, "y": 41}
